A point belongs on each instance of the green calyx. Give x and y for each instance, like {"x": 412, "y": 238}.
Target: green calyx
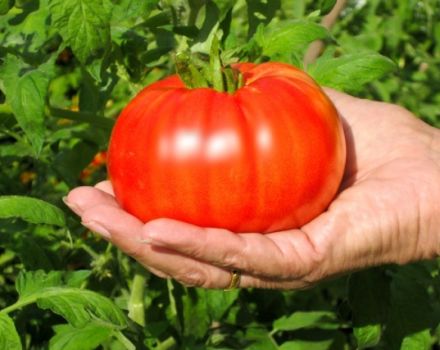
{"x": 197, "y": 72}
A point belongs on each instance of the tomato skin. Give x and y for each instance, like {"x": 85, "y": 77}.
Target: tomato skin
{"x": 266, "y": 158}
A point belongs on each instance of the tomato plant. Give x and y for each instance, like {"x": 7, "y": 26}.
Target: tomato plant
{"x": 266, "y": 157}
{"x": 68, "y": 68}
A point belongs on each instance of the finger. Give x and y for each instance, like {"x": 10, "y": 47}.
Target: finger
{"x": 281, "y": 256}
{"x": 82, "y": 198}
{"x": 126, "y": 232}
{"x": 105, "y": 186}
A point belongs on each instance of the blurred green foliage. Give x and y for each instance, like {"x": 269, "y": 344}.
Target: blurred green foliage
{"x": 67, "y": 68}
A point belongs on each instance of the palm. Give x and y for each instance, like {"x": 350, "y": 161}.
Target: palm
{"x": 390, "y": 181}
{"x": 384, "y": 213}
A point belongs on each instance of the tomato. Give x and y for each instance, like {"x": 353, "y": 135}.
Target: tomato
{"x": 268, "y": 157}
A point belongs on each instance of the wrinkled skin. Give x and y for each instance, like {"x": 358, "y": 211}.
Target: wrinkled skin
{"x": 387, "y": 211}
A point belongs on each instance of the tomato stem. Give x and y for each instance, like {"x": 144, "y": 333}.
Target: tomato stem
{"x": 197, "y": 72}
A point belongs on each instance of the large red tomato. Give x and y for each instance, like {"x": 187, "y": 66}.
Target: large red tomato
{"x": 268, "y": 157}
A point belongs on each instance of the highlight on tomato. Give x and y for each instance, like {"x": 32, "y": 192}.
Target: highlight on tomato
{"x": 256, "y": 148}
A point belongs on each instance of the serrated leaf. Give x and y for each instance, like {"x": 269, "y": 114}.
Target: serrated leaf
{"x": 9, "y": 338}
{"x": 351, "y": 72}
{"x": 26, "y": 91}
{"x": 79, "y": 307}
{"x": 128, "y": 9}
{"x": 307, "y": 319}
{"x": 281, "y": 40}
{"x": 33, "y": 210}
{"x": 83, "y": 24}
{"x": 18, "y": 149}
{"x": 32, "y": 282}
{"x": 76, "y": 278}
{"x": 201, "y": 307}
{"x": 87, "y": 338}
{"x": 32, "y": 30}
{"x": 368, "y": 335}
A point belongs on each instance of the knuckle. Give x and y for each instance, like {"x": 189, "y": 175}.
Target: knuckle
{"x": 192, "y": 278}
{"x": 236, "y": 258}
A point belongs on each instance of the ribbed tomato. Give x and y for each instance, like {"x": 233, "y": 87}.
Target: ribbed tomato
{"x": 268, "y": 157}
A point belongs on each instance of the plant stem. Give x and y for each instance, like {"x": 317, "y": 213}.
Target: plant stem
{"x": 203, "y": 73}
{"x": 328, "y": 21}
{"x": 101, "y": 122}
{"x": 125, "y": 341}
{"x": 166, "y": 344}
{"x": 136, "y": 307}
{"x": 19, "y": 304}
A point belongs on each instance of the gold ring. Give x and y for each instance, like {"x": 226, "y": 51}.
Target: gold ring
{"x": 235, "y": 280}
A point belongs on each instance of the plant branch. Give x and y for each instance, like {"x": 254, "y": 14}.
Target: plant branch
{"x": 85, "y": 117}
{"x": 19, "y": 304}
{"x": 328, "y": 21}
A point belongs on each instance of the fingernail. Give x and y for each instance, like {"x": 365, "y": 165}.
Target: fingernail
{"x": 72, "y": 206}
{"x": 97, "y": 228}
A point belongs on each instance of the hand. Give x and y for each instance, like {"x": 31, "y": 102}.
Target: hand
{"x": 387, "y": 211}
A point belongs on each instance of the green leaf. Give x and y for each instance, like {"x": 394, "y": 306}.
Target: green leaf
{"x": 411, "y": 312}
{"x": 70, "y": 162}
{"x": 350, "y": 72}
{"x": 32, "y": 31}
{"x": 26, "y": 91}
{"x": 5, "y": 5}
{"x": 9, "y": 338}
{"x": 88, "y": 337}
{"x": 77, "y": 278}
{"x": 32, "y": 210}
{"x": 326, "y": 6}
{"x": 78, "y": 306}
{"x": 33, "y": 282}
{"x": 307, "y": 319}
{"x": 195, "y": 313}
{"x": 83, "y": 24}
{"x": 316, "y": 340}
{"x": 219, "y": 301}
{"x": 260, "y": 338}
{"x": 279, "y": 41}
{"x": 18, "y": 149}
{"x": 261, "y": 12}
{"x": 368, "y": 335}
{"x": 369, "y": 298}
{"x": 418, "y": 341}
{"x": 127, "y": 10}
{"x": 307, "y": 345}
{"x": 224, "y": 6}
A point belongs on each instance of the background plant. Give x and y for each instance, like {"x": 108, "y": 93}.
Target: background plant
{"x": 67, "y": 67}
